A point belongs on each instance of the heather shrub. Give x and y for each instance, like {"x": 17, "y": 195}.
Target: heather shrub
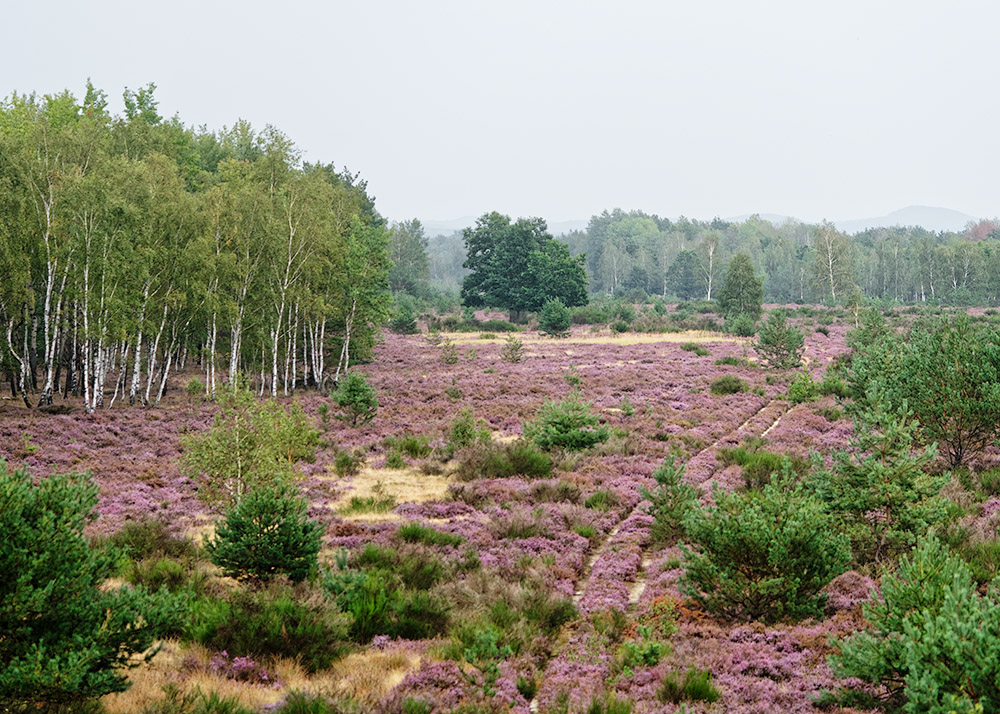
{"x": 554, "y": 319}
{"x": 883, "y": 473}
{"x": 932, "y": 643}
{"x": 356, "y": 399}
{"x": 569, "y": 424}
{"x": 779, "y": 344}
{"x": 266, "y": 534}
{"x": 250, "y": 443}
{"x": 762, "y": 555}
{"x": 728, "y": 384}
{"x": 670, "y": 501}
{"x": 555, "y": 491}
{"x": 278, "y": 620}
{"x": 64, "y": 636}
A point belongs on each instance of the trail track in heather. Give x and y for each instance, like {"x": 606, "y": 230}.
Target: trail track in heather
{"x": 638, "y": 586}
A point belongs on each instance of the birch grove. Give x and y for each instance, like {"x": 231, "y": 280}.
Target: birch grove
{"x": 132, "y": 244}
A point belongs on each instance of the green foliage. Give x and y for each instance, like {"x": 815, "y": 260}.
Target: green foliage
{"x": 743, "y": 293}
{"x": 779, "y": 344}
{"x": 394, "y": 460}
{"x": 946, "y": 372}
{"x": 517, "y": 458}
{"x": 695, "y": 686}
{"x": 569, "y": 424}
{"x": 418, "y": 533}
{"x": 762, "y": 555}
{"x": 933, "y": 641}
{"x": 513, "y": 350}
{"x": 448, "y": 353}
{"x": 347, "y": 464}
{"x": 386, "y": 594}
{"x": 148, "y": 538}
{"x": 277, "y": 620}
{"x": 601, "y": 501}
{"x": 696, "y": 348}
{"x": 730, "y": 361}
{"x": 684, "y": 276}
{"x": 63, "y": 637}
{"x": 728, "y": 384}
{"x": 610, "y": 704}
{"x": 880, "y": 489}
{"x": 176, "y": 701}
{"x": 803, "y": 388}
{"x": 267, "y": 533}
{"x": 356, "y": 399}
{"x": 670, "y": 502}
{"x": 250, "y": 443}
{"x": 466, "y": 430}
{"x": 741, "y": 326}
{"x": 403, "y": 321}
{"x": 554, "y": 318}
{"x": 760, "y": 466}
{"x": 519, "y": 266}
{"x": 378, "y": 502}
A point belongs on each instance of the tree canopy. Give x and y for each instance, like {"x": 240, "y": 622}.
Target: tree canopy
{"x": 519, "y": 266}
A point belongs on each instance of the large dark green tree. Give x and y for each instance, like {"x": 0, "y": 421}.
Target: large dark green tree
{"x": 743, "y": 293}
{"x": 519, "y": 266}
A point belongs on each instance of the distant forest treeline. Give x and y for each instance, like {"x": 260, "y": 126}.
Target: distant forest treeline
{"x": 634, "y": 255}
{"x": 129, "y": 244}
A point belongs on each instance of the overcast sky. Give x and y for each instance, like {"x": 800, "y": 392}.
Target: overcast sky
{"x": 562, "y": 109}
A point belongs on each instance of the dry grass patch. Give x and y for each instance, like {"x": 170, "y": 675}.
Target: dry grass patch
{"x": 408, "y": 485}
{"x": 369, "y": 676}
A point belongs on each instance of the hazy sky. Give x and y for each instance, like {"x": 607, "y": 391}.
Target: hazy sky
{"x": 562, "y": 109}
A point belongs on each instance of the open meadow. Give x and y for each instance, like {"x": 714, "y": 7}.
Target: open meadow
{"x": 537, "y": 586}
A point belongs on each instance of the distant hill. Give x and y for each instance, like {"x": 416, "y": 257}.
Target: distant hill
{"x": 929, "y": 217}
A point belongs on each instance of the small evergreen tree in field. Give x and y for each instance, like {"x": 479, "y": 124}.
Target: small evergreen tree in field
{"x": 267, "y": 534}
{"x": 762, "y": 555}
{"x": 64, "y": 637}
{"x": 569, "y": 424}
{"x": 356, "y": 398}
{"x": 670, "y": 501}
{"x": 743, "y": 293}
{"x": 779, "y": 344}
{"x": 932, "y": 643}
{"x": 881, "y": 489}
{"x": 555, "y": 318}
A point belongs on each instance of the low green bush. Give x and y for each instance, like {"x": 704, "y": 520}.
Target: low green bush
{"x": 356, "y": 399}
{"x": 758, "y": 465}
{"x": 696, "y": 348}
{"x": 277, "y": 620}
{"x": 491, "y": 460}
{"x": 670, "y": 502}
{"x": 728, "y": 384}
{"x": 694, "y": 686}
{"x": 762, "y": 555}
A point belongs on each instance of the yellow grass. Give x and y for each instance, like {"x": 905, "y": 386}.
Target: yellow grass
{"x": 407, "y": 485}
{"x": 366, "y": 676}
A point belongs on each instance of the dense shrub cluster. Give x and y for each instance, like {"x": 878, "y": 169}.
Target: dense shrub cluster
{"x": 568, "y": 424}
